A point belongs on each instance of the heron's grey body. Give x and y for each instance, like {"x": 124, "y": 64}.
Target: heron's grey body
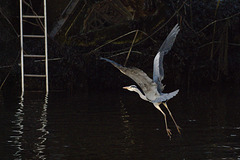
{"x": 148, "y": 86}
{"x": 152, "y": 88}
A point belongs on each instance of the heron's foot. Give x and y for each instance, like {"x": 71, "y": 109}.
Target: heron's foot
{"x": 178, "y": 129}
{"x": 169, "y": 133}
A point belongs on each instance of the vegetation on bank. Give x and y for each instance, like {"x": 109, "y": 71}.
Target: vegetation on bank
{"x": 206, "y": 50}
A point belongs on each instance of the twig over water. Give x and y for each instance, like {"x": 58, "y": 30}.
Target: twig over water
{"x": 1, "y": 12}
{"x": 218, "y": 21}
{"x": 130, "y": 48}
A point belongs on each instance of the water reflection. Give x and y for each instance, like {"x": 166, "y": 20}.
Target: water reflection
{"x": 29, "y": 132}
{"x": 40, "y": 146}
{"x": 128, "y": 130}
{"x": 17, "y": 130}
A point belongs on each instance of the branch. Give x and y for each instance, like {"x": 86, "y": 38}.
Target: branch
{"x": 16, "y": 60}
{"x": 219, "y": 21}
{"x": 168, "y": 20}
{"x": 9, "y": 22}
{"x": 38, "y": 19}
{"x": 121, "y": 53}
{"x": 217, "y": 42}
{"x": 1, "y": 67}
{"x": 131, "y": 48}
{"x": 112, "y": 41}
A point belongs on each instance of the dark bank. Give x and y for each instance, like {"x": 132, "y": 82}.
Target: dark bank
{"x": 79, "y": 32}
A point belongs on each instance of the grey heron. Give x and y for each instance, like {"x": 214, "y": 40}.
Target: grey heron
{"x": 153, "y": 88}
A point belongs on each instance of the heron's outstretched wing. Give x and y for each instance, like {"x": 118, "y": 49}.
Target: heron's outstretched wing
{"x": 165, "y": 96}
{"x": 140, "y": 77}
{"x": 158, "y": 72}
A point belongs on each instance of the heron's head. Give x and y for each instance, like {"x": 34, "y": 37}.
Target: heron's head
{"x": 131, "y": 88}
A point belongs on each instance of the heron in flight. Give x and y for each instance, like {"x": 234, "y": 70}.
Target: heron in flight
{"x": 153, "y": 88}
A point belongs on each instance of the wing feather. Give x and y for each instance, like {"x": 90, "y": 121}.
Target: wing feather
{"x": 165, "y": 96}
{"x": 158, "y": 71}
{"x": 140, "y": 77}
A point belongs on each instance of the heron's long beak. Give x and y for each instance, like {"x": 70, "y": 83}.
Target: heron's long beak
{"x": 125, "y": 87}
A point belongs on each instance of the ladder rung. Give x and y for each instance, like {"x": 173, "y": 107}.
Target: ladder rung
{"x": 34, "y": 36}
{"x": 34, "y": 56}
{"x": 32, "y": 16}
{"x": 34, "y": 75}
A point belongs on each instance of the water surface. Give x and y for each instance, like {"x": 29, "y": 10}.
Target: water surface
{"x": 119, "y": 125}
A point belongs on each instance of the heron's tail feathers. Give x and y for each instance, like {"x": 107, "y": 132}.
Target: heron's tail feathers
{"x": 166, "y": 96}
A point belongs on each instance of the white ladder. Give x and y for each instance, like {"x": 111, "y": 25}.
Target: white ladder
{"x": 22, "y": 36}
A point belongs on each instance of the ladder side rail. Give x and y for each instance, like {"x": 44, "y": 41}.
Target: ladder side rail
{"x": 21, "y": 41}
{"x": 46, "y": 47}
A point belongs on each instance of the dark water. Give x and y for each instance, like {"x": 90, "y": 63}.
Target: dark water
{"x": 119, "y": 125}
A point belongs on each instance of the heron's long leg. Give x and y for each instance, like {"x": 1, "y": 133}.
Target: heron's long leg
{"x": 165, "y": 119}
{"x": 177, "y": 126}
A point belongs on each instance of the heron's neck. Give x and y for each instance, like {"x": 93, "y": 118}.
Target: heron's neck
{"x": 140, "y": 94}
